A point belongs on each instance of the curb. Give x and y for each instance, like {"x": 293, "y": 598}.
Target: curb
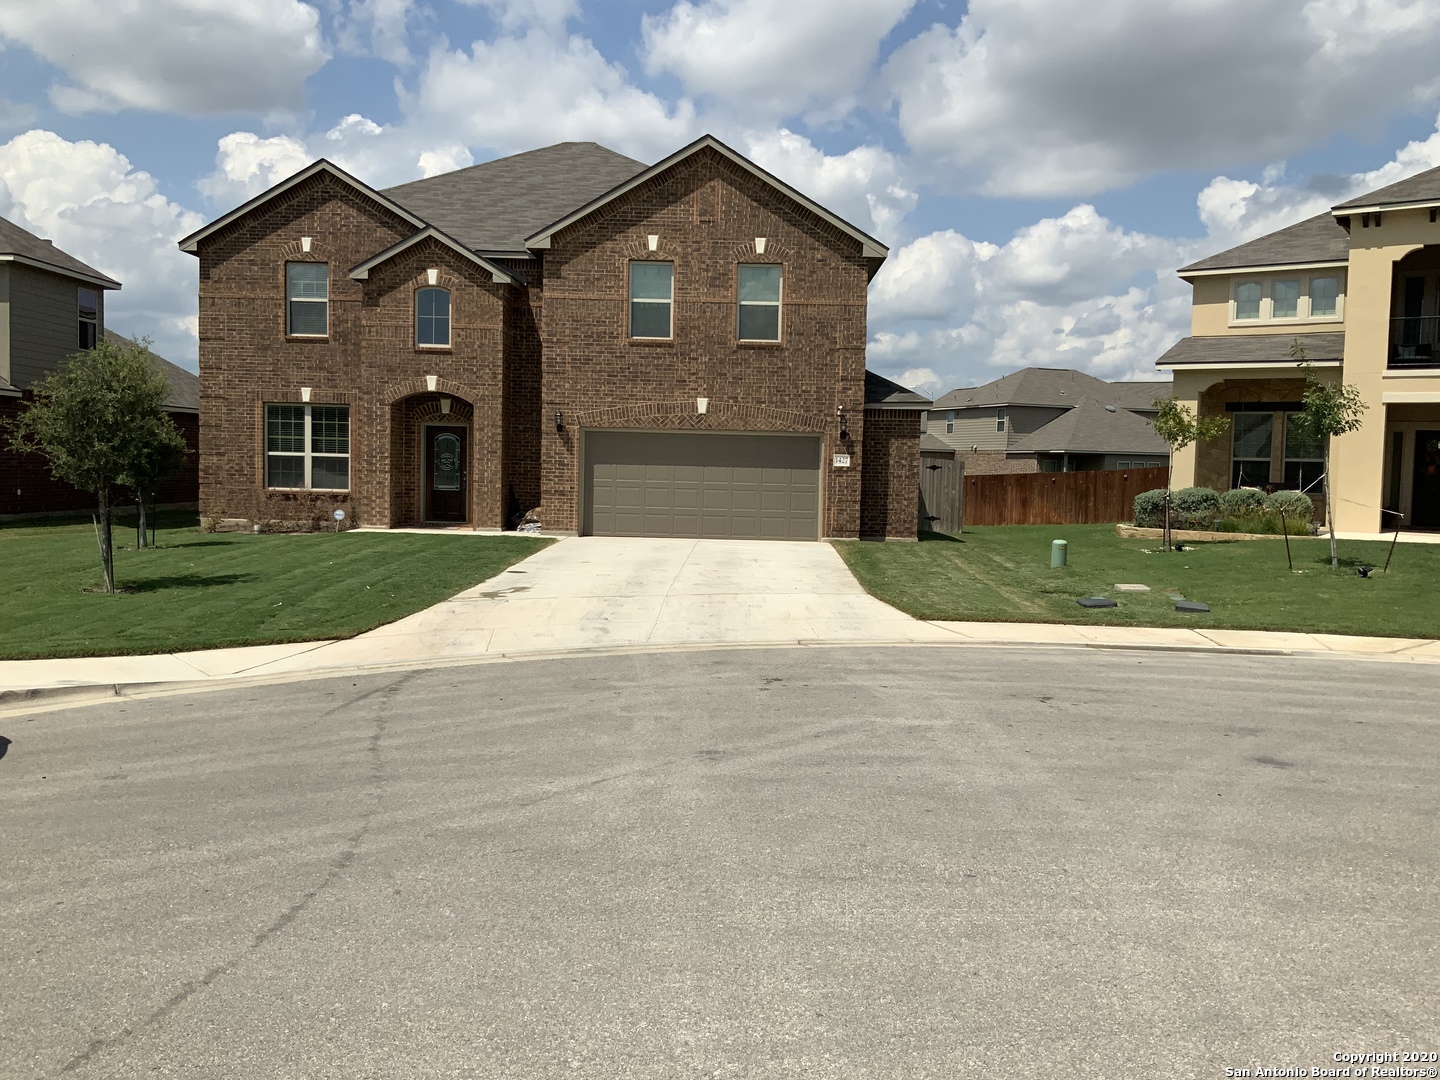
{"x": 47, "y": 699}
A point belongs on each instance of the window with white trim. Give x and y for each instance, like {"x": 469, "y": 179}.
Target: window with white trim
{"x": 1251, "y": 437}
{"x": 1288, "y": 298}
{"x": 950, "y": 422}
{"x": 87, "y": 301}
{"x": 432, "y": 318}
{"x": 652, "y": 299}
{"x": 999, "y": 419}
{"x": 759, "y": 288}
{"x": 1248, "y": 295}
{"x": 1324, "y": 297}
{"x": 307, "y": 447}
{"x": 1285, "y": 299}
{"x": 307, "y": 299}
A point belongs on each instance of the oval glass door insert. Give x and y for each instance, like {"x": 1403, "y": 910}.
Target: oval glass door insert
{"x": 447, "y": 462}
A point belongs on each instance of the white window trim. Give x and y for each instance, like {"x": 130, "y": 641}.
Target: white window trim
{"x": 449, "y": 318}
{"x": 289, "y": 331}
{"x": 1267, "y": 298}
{"x": 778, "y": 305}
{"x": 950, "y": 422}
{"x": 309, "y": 454}
{"x": 633, "y": 300}
{"x": 1001, "y": 420}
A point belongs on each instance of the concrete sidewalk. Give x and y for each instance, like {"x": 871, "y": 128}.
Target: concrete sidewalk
{"x": 597, "y": 594}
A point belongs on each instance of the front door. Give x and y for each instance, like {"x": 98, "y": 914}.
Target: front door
{"x": 1425, "y": 501}
{"x": 445, "y": 474}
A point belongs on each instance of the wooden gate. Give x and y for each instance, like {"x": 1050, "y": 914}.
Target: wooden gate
{"x": 942, "y": 493}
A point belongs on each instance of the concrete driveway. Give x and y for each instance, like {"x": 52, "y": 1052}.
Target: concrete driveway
{"x": 589, "y": 592}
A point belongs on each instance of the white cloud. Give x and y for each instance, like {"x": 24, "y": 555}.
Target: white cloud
{"x": 87, "y": 198}
{"x": 247, "y": 164}
{"x": 772, "y": 57}
{"x": 377, "y": 28}
{"x": 517, "y": 93}
{"x": 185, "y": 56}
{"x": 1047, "y": 97}
{"x": 517, "y": 15}
{"x": 922, "y": 379}
{"x": 865, "y": 186}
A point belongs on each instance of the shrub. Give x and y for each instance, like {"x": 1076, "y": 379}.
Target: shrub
{"x": 1150, "y": 509}
{"x": 1296, "y": 505}
{"x": 1194, "y": 508}
{"x": 1242, "y": 502}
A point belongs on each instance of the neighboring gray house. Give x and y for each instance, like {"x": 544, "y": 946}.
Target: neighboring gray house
{"x": 1050, "y": 420}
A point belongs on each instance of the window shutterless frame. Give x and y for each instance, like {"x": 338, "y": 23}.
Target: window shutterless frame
{"x": 307, "y": 299}
{"x": 307, "y": 447}
{"x": 652, "y": 300}
{"x": 432, "y": 318}
{"x": 759, "y": 288}
{"x": 87, "y": 301}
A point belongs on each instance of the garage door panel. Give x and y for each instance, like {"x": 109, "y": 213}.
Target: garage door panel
{"x": 701, "y": 485}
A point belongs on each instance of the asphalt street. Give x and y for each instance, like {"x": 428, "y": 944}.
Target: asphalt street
{"x": 803, "y": 862}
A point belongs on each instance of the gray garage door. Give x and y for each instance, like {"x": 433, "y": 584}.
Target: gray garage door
{"x": 762, "y": 487}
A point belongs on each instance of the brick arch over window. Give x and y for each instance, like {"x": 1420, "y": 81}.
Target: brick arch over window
{"x": 319, "y": 252}
{"x": 410, "y": 387}
{"x": 776, "y": 252}
{"x": 720, "y": 416}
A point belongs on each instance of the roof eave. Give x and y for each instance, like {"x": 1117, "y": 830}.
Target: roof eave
{"x": 97, "y": 279}
{"x": 190, "y": 244}
{"x": 1343, "y": 211}
{"x": 869, "y": 246}
{"x": 1240, "y": 365}
{"x": 1261, "y": 268}
{"x": 498, "y": 274}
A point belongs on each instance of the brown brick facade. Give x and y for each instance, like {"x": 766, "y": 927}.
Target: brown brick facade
{"x": 523, "y": 353}
{"x": 890, "y": 476}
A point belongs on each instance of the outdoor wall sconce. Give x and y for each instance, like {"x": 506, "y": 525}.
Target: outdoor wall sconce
{"x": 844, "y": 422}
{"x": 559, "y": 421}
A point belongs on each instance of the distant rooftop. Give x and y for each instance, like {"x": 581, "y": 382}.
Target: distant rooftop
{"x": 1054, "y": 388}
{"x": 17, "y": 244}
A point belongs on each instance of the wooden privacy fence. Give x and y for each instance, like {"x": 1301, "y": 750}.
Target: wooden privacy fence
{"x": 1076, "y": 498}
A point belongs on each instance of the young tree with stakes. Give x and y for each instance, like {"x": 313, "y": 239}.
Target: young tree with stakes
{"x": 1330, "y": 409}
{"x": 100, "y": 420}
{"x": 1179, "y": 427}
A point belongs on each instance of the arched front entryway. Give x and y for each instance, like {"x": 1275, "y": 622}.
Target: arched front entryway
{"x": 432, "y": 461}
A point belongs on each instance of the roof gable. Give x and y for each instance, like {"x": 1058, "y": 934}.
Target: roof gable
{"x": 22, "y": 246}
{"x": 498, "y": 274}
{"x": 883, "y": 393}
{"x": 191, "y": 243}
{"x": 1318, "y": 239}
{"x": 869, "y": 246}
{"x": 1055, "y": 387}
{"x": 494, "y": 206}
{"x": 1421, "y": 188}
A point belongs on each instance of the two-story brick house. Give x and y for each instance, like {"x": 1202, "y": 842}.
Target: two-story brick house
{"x": 1357, "y": 287}
{"x": 676, "y": 349}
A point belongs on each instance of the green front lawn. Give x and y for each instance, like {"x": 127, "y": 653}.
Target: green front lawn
{"x": 1002, "y": 574}
{"x": 202, "y": 590}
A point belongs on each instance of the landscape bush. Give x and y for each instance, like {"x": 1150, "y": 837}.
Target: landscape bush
{"x": 1295, "y": 505}
{"x": 1242, "y": 502}
{"x": 1264, "y": 523}
{"x": 1194, "y": 508}
{"x": 1150, "y": 509}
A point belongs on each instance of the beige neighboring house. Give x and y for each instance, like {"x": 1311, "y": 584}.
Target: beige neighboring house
{"x": 1050, "y": 420}
{"x": 1359, "y": 287}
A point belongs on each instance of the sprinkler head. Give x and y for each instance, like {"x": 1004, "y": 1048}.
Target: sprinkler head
{"x": 1364, "y": 571}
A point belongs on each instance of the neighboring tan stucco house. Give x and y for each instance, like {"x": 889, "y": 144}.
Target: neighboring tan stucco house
{"x": 610, "y": 347}
{"x": 52, "y": 306}
{"x": 1050, "y": 420}
{"x": 1359, "y": 288}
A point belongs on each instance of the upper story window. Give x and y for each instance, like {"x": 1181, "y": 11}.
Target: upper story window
{"x": 950, "y": 422}
{"x": 652, "y": 299}
{"x": 760, "y": 303}
{"x": 307, "y": 299}
{"x": 1287, "y": 298}
{"x": 432, "y": 318}
{"x": 88, "y": 302}
{"x": 307, "y": 447}
{"x": 1000, "y": 419}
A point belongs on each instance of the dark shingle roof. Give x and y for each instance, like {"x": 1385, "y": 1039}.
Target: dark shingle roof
{"x": 1253, "y": 349}
{"x": 1059, "y": 388}
{"x": 184, "y": 386}
{"x": 494, "y": 206}
{"x": 1422, "y": 187}
{"x": 1092, "y": 428}
{"x": 1315, "y": 240}
{"x": 930, "y": 444}
{"x": 1139, "y": 395}
{"x": 881, "y": 393}
{"x": 16, "y": 241}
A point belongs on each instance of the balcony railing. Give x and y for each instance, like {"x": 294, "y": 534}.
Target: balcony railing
{"x": 1415, "y": 342}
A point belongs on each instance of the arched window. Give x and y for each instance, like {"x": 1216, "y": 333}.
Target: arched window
{"x": 432, "y": 318}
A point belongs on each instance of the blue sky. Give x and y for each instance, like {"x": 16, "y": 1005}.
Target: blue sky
{"x": 1039, "y": 167}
